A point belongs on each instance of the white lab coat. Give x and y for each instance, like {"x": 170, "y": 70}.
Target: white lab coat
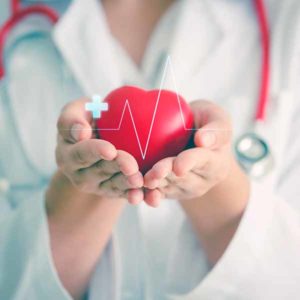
{"x": 215, "y": 50}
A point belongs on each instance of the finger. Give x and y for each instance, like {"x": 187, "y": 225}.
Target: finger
{"x": 120, "y": 183}
{"x": 159, "y": 171}
{"x": 190, "y": 159}
{"x": 162, "y": 183}
{"x": 101, "y": 171}
{"x": 74, "y": 123}
{"x": 214, "y": 125}
{"x": 135, "y": 180}
{"x": 155, "y": 184}
{"x": 184, "y": 185}
{"x": 86, "y": 153}
{"x": 213, "y": 135}
{"x": 127, "y": 163}
{"x": 135, "y": 196}
{"x": 105, "y": 169}
{"x": 153, "y": 197}
{"x": 189, "y": 186}
{"x": 89, "y": 181}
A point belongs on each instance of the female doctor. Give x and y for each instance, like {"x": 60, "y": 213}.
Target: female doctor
{"x": 68, "y": 224}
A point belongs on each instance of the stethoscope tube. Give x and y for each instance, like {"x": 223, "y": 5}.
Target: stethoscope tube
{"x": 18, "y": 14}
{"x": 265, "y": 60}
{"x": 14, "y": 6}
{"x": 252, "y": 152}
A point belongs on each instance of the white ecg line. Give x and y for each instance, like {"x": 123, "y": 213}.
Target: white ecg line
{"x": 168, "y": 66}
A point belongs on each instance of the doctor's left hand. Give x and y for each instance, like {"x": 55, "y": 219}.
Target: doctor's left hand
{"x": 211, "y": 187}
{"x": 195, "y": 171}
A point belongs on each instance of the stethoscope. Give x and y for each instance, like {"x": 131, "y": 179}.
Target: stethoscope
{"x": 252, "y": 151}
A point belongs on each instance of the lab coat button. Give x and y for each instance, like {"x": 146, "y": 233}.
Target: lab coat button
{"x": 4, "y": 185}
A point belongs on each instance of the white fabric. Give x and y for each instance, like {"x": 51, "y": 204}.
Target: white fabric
{"x": 159, "y": 227}
{"x": 4, "y": 11}
{"x": 215, "y": 50}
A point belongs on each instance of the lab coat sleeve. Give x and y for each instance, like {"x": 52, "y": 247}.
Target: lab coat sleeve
{"x": 262, "y": 259}
{"x": 26, "y": 267}
{"x": 4, "y": 11}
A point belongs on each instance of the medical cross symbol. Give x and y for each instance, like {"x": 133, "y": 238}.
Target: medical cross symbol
{"x": 96, "y": 107}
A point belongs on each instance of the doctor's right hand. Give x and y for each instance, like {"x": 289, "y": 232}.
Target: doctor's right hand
{"x": 86, "y": 196}
{"x": 93, "y": 165}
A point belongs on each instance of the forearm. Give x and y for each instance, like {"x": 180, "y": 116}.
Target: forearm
{"x": 80, "y": 226}
{"x": 216, "y": 215}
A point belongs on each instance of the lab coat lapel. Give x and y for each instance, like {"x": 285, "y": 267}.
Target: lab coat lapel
{"x": 83, "y": 38}
{"x": 195, "y": 39}
{"x": 205, "y": 44}
{"x": 34, "y": 85}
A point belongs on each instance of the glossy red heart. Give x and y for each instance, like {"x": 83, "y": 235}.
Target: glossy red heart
{"x": 151, "y": 125}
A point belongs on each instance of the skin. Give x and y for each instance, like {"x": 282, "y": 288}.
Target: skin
{"x": 141, "y": 18}
{"x": 94, "y": 180}
{"x": 86, "y": 196}
{"x": 211, "y": 188}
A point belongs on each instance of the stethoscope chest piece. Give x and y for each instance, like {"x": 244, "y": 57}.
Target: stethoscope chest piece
{"x": 254, "y": 155}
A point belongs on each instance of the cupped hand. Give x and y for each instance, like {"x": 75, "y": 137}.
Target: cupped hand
{"x": 93, "y": 165}
{"x": 194, "y": 171}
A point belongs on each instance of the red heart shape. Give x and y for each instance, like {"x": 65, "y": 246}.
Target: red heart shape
{"x": 150, "y": 125}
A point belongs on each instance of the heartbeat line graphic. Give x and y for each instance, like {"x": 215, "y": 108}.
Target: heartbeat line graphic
{"x": 168, "y": 67}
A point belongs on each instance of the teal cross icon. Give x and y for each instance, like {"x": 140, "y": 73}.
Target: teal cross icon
{"x": 96, "y": 107}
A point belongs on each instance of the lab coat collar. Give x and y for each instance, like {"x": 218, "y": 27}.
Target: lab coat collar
{"x": 83, "y": 38}
{"x": 208, "y": 39}
{"x": 197, "y": 35}
{"x": 205, "y": 39}
{"x": 94, "y": 65}
{"x": 205, "y": 33}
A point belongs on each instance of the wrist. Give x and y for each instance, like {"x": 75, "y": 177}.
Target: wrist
{"x": 81, "y": 222}
{"x": 222, "y": 204}
{"x": 216, "y": 215}
{"x": 64, "y": 200}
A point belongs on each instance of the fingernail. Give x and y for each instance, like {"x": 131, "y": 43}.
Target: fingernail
{"x": 208, "y": 139}
{"x": 75, "y": 131}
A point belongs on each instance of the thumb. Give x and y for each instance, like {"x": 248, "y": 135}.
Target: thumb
{"x": 213, "y": 135}
{"x": 75, "y": 123}
{"x": 214, "y": 125}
